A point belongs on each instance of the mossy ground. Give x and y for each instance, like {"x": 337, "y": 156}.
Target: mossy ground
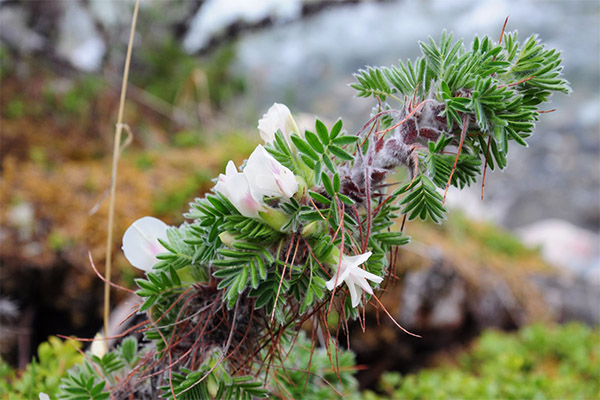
{"x": 538, "y": 362}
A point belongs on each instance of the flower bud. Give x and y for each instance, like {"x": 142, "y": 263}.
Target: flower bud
{"x": 275, "y": 218}
{"x": 311, "y": 229}
{"x": 278, "y": 117}
{"x": 227, "y": 238}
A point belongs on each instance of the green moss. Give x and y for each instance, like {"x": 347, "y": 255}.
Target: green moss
{"x": 188, "y": 138}
{"x": 173, "y": 200}
{"x": 6, "y": 62}
{"x": 15, "y": 108}
{"x": 39, "y": 156}
{"x": 487, "y": 234}
{"x": 74, "y": 100}
{"x": 145, "y": 161}
{"x": 57, "y": 241}
{"x": 538, "y": 362}
{"x": 82, "y": 94}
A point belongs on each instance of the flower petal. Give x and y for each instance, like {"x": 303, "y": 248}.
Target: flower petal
{"x": 354, "y": 294}
{"x": 268, "y": 177}
{"x": 359, "y": 281}
{"x": 140, "y": 242}
{"x": 234, "y": 185}
{"x": 354, "y": 276}
{"x": 358, "y": 259}
{"x": 367, "y": 275}
{"x": 277, "y": 117}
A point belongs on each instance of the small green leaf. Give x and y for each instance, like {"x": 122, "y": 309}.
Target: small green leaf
{"x": 302, "y": 146}
{"x": 322, "y": 132}
{"x": 338, "y": 152}
{"x": 336, "y": 129}
{"x": 314, "y": 142}
{"x": 329, "y": 164}
{"x": 319, "y": 197}
{"x": 336, "y": 182}
{"x": 345, "y": 140}
{"x": 327, "y": 184}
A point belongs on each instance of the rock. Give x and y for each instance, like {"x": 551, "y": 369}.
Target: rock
{"x": 448, "y": 305}
{"x": 565, "y": 245}
{"x": 15, "y": 32}
{"x": 433, "y": 298}
{"x": 79, "y": 42}
{"x": 571, "y": 299}
{"x": 22, "y": 217}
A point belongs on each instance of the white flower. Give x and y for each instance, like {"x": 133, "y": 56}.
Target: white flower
{"x": 267, "y": 177}
{"x": 262, "y": 176}
{"x": 235, "y": 186}
{"x": 99, "y": 345}
{"x": 140, "y": 242}
{"x": 43, "y": 396}
{"x": 354, "y": 276}
{"x": 277, "y": 117}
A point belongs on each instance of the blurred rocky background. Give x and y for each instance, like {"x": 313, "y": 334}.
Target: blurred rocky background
{"x": 203, "y": 72}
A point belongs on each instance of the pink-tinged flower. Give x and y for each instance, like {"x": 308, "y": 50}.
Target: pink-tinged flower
{"x": 354, "y": 276}
{"x": 277, "y": 117}
{"x": 268, "y": 177}
{"x": 236, "y": 188}
{"x": 140, "y": 242}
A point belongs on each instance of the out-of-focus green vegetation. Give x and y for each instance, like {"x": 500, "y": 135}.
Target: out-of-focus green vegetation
{"x": 171, "y": 200}
{"x": 175, "y": 76}
{"x": 55, "y": 358}
{"x": 323, "y": 381}
{"x": 74, "y": 98}
{"x": 538, "y": 362}
{"x": 488, "y": 235}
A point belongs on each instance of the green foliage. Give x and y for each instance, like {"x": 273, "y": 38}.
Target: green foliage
{"x": 82, "y": 383}
{"x": 423, "y": 201}
{"x": 320, "y": 149}
{"x": 244, "y": 264}
{"x": 54, "y": 358}
{"x": 538, "y": 362}
{"x": 15, "y": 108}
{"x": 212, "y": 381}
{"x": 223, "y": 84}
{"x": 439, "y": 165}
{"x": 6, "y": 62}
{"x": 188, "y": 138}
{"x": 78, "y": 97}
{"x": 315, "y": 373}
{"x": 498, "y": 86}
{"x": 97, "y": 376}
{"x": 169, "y": 73}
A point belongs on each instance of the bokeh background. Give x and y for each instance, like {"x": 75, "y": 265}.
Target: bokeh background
{"x": 203, "y": 73}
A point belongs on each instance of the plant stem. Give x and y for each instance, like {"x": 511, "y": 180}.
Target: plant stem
{"x": 113, "y": 180}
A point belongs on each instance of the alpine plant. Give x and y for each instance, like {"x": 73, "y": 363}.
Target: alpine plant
{"x": 304, "y": 228}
